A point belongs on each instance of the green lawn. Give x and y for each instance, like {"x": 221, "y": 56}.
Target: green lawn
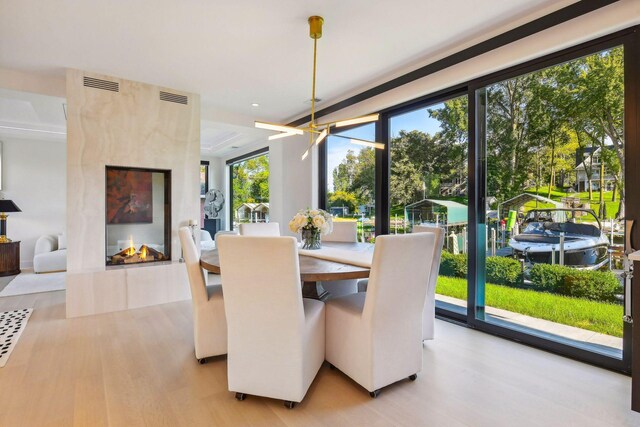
{"x": 594, "y": 316}
{"x": 557, "y": 195}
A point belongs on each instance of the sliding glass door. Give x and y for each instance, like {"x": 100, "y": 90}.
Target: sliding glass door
{"x": 530, "y": 172}
{"x": 551, "y": 229}
{"x": 428, "y": 185}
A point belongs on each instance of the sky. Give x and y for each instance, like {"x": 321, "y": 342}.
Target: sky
{"x": 413, "y": 120}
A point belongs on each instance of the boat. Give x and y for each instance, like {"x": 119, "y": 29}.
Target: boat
{"x": 585, "y": 245}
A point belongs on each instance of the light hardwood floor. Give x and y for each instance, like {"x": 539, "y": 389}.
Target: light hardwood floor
{"x": 137, "y": 368}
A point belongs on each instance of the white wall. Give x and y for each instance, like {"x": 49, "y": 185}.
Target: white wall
{"x": 34, "y": 177}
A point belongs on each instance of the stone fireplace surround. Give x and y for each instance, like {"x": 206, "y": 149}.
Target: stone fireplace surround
{"x": 125, "y": 123}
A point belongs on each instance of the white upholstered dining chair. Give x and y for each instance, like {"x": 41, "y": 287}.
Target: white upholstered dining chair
{"x": 429, "y": 314}
{"x": 209, "y": 322}
{"x": 343, "y": 231}
{"x": 222, "y": 233}
{"x": 276, "y": 338}
{"x": 271, "y": 229}
{"x": 376, "y": 337}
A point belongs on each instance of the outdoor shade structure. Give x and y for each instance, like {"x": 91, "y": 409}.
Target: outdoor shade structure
{"x": 515, "y": 203}
{"x": 253, "y": 212}
{"x": 440, "y": 212}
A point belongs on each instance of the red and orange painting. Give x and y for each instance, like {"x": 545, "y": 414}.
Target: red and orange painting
{"x": 129, "y": 197}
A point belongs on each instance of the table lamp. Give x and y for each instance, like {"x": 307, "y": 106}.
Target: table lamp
{"x": 6, "y": 206}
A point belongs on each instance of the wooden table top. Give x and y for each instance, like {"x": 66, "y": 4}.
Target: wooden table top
{"x": 311, "y": 269}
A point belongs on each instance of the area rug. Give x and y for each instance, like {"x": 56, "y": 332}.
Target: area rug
{"x": 12, "y": 323}
{"x": 30, "y": 283}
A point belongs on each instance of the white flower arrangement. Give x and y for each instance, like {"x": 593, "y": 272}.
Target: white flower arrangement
{"x": 312, "y": 219}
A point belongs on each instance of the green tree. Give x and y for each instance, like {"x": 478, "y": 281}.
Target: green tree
{"x": 510, "y": 150}
{"x": 344, "y": 198}
{"x": 594, "y": 104}
{"x": 363, "y": 184}
{"x": 250, "y": 181}
{"x": 344, "y": 173}
{"x": 453, "y": 139}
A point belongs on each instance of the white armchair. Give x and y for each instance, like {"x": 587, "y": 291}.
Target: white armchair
{"x": 376, "y": 337}
{"x": 206, "y": 241}
{"x": 429, "y": 314}
{"x": 346, "y": 231}
{"x": 271, "y": 229}
{"x": 209, "y": 322}
{"x": 276, "y": 338}
{"x": 50, "y": 254}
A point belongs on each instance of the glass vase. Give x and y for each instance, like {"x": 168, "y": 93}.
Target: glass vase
{"x": 311, "y": 238}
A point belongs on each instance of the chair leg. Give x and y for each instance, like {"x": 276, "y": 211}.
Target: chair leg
{"x": 289, "y": 404}
{"x": 241, "y": 396}
{"x": 202, "y": 361}
{"x": 413, "y": 377}
{"x": 374, "y": 393}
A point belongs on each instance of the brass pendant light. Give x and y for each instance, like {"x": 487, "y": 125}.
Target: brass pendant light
{"x": 318, "y": 132}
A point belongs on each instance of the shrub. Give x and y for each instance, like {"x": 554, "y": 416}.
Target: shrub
{"x": 592, "y": 285}
{"x": 504, "y": 271}
{"x": 500, "y": 270}
{"x": 548, "y": 278}
{"x": 453, "y": 265}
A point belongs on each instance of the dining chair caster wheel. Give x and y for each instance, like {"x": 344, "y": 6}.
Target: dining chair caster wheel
{"x": 289, "y": 404}
{"x": 413, "y": 377}
{"x": 374, "y": 393}
{"x": 241, "y": 396}
{"x": 202, "y": 361}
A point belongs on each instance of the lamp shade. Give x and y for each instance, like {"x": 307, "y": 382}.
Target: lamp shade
{"x": 8, "y": 206}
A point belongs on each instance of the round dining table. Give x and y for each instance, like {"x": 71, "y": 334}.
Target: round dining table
{"x": 312, "y": 270}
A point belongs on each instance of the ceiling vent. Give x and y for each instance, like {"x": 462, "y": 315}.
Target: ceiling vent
{"x": 174, "y": 97}
{"x": 101, "y": 84}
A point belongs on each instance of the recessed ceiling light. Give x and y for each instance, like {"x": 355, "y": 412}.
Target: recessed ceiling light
{"x": 255, "y": 104}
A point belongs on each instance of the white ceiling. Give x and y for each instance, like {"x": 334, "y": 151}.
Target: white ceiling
{"x": 237, "y": 52}
{"x": 32, "y": 116}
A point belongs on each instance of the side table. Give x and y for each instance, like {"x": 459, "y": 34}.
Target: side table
{"x": 9, "y": 258}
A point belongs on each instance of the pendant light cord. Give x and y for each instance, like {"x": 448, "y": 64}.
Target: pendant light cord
{"x": 313, "y": 91}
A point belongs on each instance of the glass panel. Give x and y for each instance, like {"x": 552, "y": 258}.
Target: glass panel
{"x": 351, "y": 179}
{"x": 204, "y": 179}
{"x": 204, "y": 187}
{"x": 137, "y": 206}
{"x": 250, "y": 186}
{"x": 554, "y": 235}
{"x": 428, "y": 187}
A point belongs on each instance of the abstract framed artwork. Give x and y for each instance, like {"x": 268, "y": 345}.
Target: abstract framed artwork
{"x": 129, "y": 196}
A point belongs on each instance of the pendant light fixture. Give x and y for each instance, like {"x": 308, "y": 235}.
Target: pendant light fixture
{"x": 318, "y": 132}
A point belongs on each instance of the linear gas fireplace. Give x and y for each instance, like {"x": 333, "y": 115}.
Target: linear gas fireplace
{"x": 138, "y": 215}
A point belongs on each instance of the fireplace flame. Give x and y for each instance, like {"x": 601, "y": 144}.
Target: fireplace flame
{"x": 131, "y": 250}
{"x": 143, "y": 253}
